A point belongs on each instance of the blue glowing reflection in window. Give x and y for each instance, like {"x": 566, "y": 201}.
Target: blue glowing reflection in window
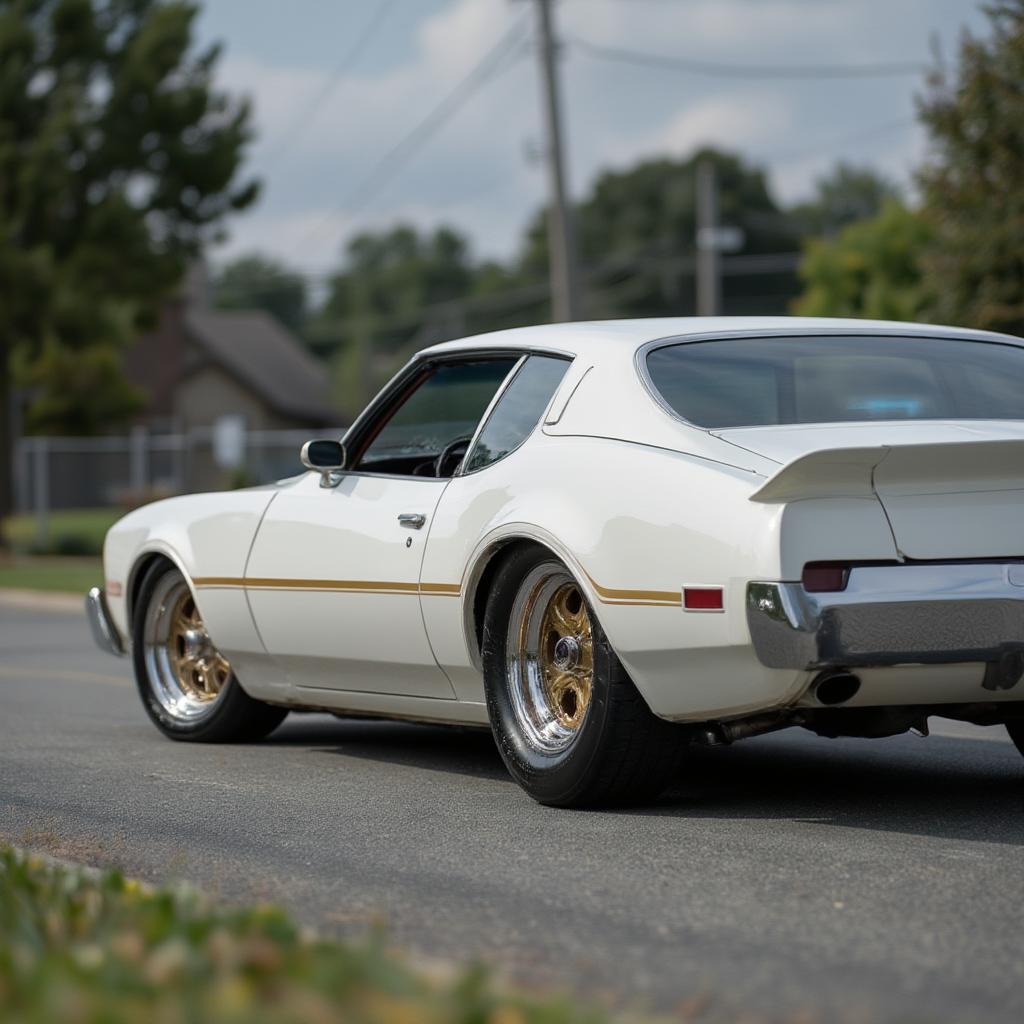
{"x": 886, "y": 407}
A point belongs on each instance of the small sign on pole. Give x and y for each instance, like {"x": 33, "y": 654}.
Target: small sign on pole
{"x": 229, "y": 441}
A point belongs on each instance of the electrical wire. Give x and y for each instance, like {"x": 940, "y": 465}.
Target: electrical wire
{"x": 830, "y": 145}
{"x": 352, "y": 55}
{"x": 499, "y": 58}
{"x": 694, "y": 66}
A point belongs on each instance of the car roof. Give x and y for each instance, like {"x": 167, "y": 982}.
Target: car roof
{"x": 586, "y": 338}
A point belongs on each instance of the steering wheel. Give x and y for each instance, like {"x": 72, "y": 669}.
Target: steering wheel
{"x": 453, "y": 450}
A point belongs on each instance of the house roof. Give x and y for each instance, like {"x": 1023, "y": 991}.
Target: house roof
{"x": 264, "y": 356}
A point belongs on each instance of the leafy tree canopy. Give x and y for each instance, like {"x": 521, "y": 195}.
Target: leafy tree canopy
{"x": 390, "y": 278}
{"x": 637, "y": 228}
{"x": 872, "y": 269}
{"x": 258, "y": 282}
{"x": 845, "y": 195}
{"x": 118, "y": 160}
{"x": 973, "y": 185}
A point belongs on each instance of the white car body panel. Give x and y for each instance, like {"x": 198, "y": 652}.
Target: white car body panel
{"x": 951, "y": 499}
{"x": 346, "y": 635}
{"x": 204, "y": 535}
{"x": 637, "y": 503}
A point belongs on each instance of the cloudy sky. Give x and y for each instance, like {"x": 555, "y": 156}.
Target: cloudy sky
{"x": 337, "y": 85}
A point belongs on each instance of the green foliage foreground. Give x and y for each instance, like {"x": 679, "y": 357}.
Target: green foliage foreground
{"x": 80, "y": 947}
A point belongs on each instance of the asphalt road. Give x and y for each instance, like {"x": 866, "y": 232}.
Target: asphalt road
{"x": 853, "y": 880}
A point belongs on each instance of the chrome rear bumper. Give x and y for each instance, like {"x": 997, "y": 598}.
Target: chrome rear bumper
{"x": 896, "y": 615}
{"x": 104, "y": 632}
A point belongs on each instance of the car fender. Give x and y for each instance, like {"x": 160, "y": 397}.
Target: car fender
{"x": 635, "y": 524}
{"x": 207, "y": 537}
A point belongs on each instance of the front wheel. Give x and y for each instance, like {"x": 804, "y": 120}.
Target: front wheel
{"x": 187, "y": 686}
{"x": 571, "y": 727}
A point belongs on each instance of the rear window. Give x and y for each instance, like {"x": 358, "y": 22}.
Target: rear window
{"x": 747, "y": 382}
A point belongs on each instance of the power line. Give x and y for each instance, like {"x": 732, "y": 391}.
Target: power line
{"x": 303, "y": 121}
{"x": 862, "y": 135}
{"x": 499, "y": 58}
{"x": 748, "y": 71}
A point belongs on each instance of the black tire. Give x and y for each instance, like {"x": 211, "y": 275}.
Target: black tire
{"x": 1015, "y": 727}
{"x": 232, "y": 716}
{"x": 620, "y": 753}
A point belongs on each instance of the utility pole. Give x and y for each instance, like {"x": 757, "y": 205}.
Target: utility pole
{"x": 709, "y": 278}
{"x": 565, "y": 298}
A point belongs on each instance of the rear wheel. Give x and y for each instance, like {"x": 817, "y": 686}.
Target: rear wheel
{"x": 570, "y": 725}
{"x": 1015, "y": 728}
{"x": 187, "y": 686}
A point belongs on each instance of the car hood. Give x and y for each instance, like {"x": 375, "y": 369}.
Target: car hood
{"x": 783, "y": 444}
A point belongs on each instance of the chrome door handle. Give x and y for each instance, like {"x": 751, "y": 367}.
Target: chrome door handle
{"x": 412, "y": 520}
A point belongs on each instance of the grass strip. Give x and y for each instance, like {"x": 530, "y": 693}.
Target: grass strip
{"x": 70, "y": 531}
{"x": 90, "y": 947}
{"x": 56, "y": 575}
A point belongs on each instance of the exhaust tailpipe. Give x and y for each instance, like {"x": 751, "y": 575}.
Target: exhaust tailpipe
{"x": 835, "y": 687}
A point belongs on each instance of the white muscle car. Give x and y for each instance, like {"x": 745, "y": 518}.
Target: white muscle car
{"x": 609, "y": 541}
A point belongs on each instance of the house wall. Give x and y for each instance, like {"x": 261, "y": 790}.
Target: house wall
{"x": 202, "y": 398}
{"x": 209, "y": 393}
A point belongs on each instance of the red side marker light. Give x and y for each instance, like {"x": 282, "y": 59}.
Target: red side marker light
{"x": 703, "y": 599}
{"x": 824, "y": 577}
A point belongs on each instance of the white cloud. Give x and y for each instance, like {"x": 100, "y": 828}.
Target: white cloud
{"x": 474, "y": 172}
{"x": 721, "y": 29}
{"x": 721, "y": 120}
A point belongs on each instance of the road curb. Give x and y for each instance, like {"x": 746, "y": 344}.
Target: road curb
{"x": 41, "y": 600}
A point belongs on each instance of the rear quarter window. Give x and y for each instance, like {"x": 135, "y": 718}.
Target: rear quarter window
{"x": 518, "y": 410}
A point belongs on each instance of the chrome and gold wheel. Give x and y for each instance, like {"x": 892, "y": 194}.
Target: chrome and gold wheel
{"x": 570, "y": 725}
{"x": 550, "y": 658}
{"x": 187, "y": 672}
{"x": 186, "y": 684}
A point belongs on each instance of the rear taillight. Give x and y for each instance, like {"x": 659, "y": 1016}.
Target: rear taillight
{"x": 823, "y": 577}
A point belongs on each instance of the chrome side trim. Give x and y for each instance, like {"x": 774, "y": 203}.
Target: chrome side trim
{"x": 894, "y": 615}
{"x": 104, "y": 632}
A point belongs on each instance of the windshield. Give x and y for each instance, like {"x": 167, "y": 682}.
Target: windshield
{"x": 745, "y": 382}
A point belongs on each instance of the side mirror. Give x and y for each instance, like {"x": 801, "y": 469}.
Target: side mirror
{"x": 326, "y": 458}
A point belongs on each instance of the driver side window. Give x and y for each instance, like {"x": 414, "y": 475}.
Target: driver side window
{"x": 443, "y": 407}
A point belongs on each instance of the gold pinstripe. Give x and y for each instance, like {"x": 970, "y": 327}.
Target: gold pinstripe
{"x": 336, "y": 586}
{"x": 606, "y": 595}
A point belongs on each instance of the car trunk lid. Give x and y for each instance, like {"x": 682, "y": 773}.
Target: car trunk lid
{"x": 949, "y": 490}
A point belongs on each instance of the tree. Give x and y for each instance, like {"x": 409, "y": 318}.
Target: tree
{"x": 973, "y": 184}
{"x": 390, "y": 285}
{"x": 872, "y": 269}
{"x": 846, "y": 195}
{"x": 257, "y": 282}
{"x": 637, "y": 238}
{"x": 118, "y": 160}
{"x": 400, "y": 289}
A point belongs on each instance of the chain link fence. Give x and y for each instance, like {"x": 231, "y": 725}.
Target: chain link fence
{"x": 55, "y": 473}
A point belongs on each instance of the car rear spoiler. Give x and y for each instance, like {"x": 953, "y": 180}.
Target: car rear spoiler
{"x": 894, "y": 469}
